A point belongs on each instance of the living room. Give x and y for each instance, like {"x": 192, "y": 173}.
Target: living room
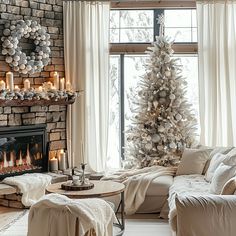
{"x": 117, "y": 118}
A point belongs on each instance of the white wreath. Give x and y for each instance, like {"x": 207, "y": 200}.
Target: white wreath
{"x": 18, "y": 60}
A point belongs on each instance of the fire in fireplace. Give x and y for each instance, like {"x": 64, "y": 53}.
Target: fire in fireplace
{"x": 23, "y": 150}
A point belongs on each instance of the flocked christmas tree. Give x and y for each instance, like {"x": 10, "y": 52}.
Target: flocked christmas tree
{"x": 163, "y": 123}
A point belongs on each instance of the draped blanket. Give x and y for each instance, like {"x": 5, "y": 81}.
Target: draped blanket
{"x": 32, "y": 186}
{"x": 57, "y": 215}
{"x": 137, "y": 182}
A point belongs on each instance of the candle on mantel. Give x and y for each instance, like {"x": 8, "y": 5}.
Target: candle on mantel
{"x": 82, "y": 152}
{"x": 62, "y": 83}
{"x": 56, "y": 80}
{"x": 17, "y": 88}
{"x": 10, "y": 81}
{"x": 40, "y": 89}
{"x": 62, "y": 160}
{"x": 68, "y": 86}
{"x": 2, "y": 85}
{"x": 26, "y": 84}
{"x": 53, "y": 164}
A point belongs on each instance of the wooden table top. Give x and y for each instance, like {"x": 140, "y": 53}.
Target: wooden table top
{"x": 101, "y": 189}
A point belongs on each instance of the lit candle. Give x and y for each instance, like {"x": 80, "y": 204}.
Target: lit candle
{"x": 53, "y": 163}
{"x": 82, "y": 152}
{"x": 26, "y": 84}
{"x": 2, "y": 85}
{"x": 68, "y": 86}
{"x": 40, "y": 88}
{"x": 62, "y": 83}
{"x": 56, "y": 80}
{"x": 62, "y": 160}
{"x": 17, "y": 88}
{"x": 9, "y": 80}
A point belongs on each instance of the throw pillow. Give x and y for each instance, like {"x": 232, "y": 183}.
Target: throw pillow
{"x": 216, "y": 160}
{"x": 230, "y": 187}
{"x": 193, "y": 162}
{"x": 231, "y": 158}
{"x": 222, "y": 174}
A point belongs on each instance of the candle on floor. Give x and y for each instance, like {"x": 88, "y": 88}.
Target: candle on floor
{"x": 26, "y": 84}
{"x": 10, "y": 81}
{"x": 53, "y": 164}
{"x": 56, "y": 80}
{"x": 62, "y": 83}
{"x": 2, "y": 85}
{"x": 62, "y": 160}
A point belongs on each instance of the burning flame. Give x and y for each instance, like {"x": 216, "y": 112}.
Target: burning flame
{"x": 28, "y": 159}
{"x": 5, "y": 163}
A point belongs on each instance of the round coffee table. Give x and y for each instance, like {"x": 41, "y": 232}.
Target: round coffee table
{"x": 101, "y": 189}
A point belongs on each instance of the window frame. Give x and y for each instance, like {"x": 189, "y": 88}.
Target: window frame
{"x": 123, "y": 49}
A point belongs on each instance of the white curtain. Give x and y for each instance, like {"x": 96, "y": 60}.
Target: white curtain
{"x": 86, "y": 48}
{"x": 217, "y": 71}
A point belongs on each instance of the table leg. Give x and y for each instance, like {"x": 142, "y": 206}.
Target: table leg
{"x": 121, "y": 223}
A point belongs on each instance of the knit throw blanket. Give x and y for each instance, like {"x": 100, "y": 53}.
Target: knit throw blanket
{"x": 57, "y": 215}
{"x": 32, "y": 186}
{"x": 137, "y": 182}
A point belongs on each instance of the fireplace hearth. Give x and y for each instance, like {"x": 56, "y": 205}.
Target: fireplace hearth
{"x": 23, "y": 149}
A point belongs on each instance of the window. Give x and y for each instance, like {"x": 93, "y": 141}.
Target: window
{"x": 131, "y": 31}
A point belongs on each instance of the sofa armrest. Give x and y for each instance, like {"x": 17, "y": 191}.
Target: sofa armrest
{"x": 211, "y": 215}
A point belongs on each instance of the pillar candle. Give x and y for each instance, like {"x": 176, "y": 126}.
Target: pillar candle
{"x": 56, "y": 80}
{"x": 53, "y": 164}
{"x": 17, "y": 88}
{"x": 2, "y": 85}
{"x": 62, "y": 160}
{"x": 68, "y": 86}
{"x": 40, "y": 89}
{"x": 9, "y": 80}
{"x": 62, "y": 83}
{"x": 26, "y": 84}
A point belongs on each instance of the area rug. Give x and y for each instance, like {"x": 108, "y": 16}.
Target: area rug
{"x": 9, "y": 217}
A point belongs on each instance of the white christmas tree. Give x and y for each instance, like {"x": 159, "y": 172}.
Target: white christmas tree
{"x": 163, "y": 123}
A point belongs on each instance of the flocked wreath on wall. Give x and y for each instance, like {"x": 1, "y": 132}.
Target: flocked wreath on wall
{"x": 15, "y": 57}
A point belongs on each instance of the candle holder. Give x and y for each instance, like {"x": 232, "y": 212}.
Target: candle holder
{"x": 78, "y": 184}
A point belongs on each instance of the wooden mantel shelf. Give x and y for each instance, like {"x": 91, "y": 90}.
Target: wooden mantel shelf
{"x": 34, "y": 102}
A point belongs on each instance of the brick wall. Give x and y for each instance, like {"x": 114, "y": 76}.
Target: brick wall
{"x": 49, "y": 14}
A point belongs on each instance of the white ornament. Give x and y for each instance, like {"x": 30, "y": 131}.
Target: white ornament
{"x": 178, "y": 117}
{"x": 156, "y": 138}
{"x": 167, "y": 73}
{"x": 172, "y": 145}
{"x": 172, "y": 96}
{"x": 161, "y": 129}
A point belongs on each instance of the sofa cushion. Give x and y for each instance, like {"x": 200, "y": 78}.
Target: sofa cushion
{"x": 222, "y": 174}
{"x": 193, "y": 161}
{"x": 216, "y": 160}
{"x": 160, "y": 186}
{"x": 230, "y": 187}
{"x": 185, "y": 185}
{"x": 230, "y": 158}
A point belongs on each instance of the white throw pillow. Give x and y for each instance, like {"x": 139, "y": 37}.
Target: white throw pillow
{"x": 216, "y": 160}
{"x": 193, "y": 161}
{"x": 230, "y": 158}
{"x": 222, "y": 174}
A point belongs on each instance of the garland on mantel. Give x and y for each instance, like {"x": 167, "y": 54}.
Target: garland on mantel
{"x": 36, "y": 94}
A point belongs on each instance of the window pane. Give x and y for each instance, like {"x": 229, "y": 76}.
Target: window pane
{"x": 181, "y": 25}
{"x": 136, "y": 35}
{"x": 178, "y": 18}
{"x": 136, "y": 18}
{"x": 114, "y": 128}
{"x": 131, "y": 26}
{"x": 133, "y": 70}
{"x": 179, "y": 34}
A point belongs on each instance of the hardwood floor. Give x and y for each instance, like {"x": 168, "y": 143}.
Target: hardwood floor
{"x": 138, "y": 225}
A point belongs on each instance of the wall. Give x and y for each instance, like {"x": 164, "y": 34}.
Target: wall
{"x": 49, "y": 14}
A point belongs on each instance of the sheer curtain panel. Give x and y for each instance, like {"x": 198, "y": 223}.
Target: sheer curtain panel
{"x": 217, "y": 71}
{"x": 86, "y": 48}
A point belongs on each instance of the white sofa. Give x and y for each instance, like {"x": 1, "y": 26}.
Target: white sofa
{"x": 196, "y": 207}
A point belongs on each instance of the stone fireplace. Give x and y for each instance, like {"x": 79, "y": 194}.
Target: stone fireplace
{"x": 23, "y": 150}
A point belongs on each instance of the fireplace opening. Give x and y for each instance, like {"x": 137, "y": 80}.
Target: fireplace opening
{"x": 23, "y": 150}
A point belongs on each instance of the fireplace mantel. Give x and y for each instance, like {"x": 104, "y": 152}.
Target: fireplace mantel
{"x": 41, "y": 102}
